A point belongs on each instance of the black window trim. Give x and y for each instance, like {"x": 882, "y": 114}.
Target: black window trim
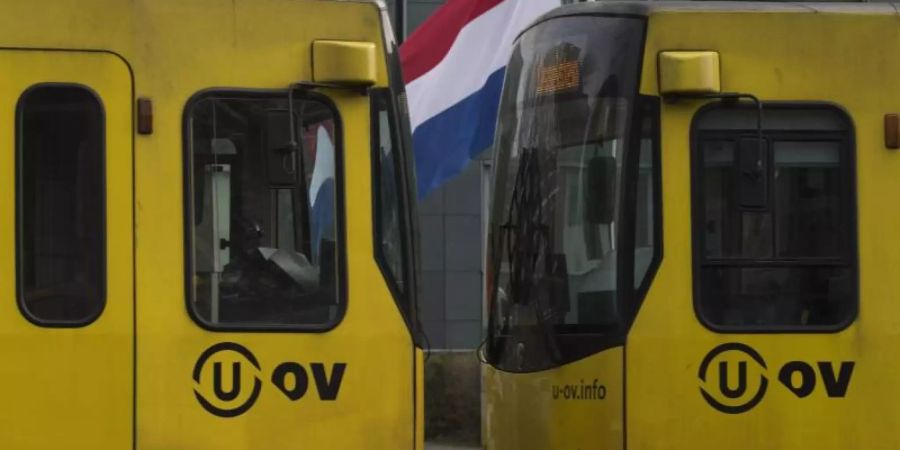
{"x": 188, "y": 208}
{"x": 404, "y": 298}
{"x": 637, "y": 294}
{"x": 20, "y": 289}
{"x": 848, "y": 149}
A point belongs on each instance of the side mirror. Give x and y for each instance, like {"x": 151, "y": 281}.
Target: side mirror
{"x": 600, "y": 190}
{"x": 753, "y": 173}
{"x": 344, "y": 63}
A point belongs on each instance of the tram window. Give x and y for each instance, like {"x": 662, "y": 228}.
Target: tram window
{"x": 647, "y": 243}
{"x": 789, "y": 264}
{"x": 264, "y": 212}
{"x": 389, "y": 226}
{"x": 60, "y": 208}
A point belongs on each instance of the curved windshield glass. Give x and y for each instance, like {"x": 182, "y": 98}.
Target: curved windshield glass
{"x": 562, "y": 152}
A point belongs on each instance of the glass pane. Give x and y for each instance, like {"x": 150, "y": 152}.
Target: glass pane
{"x": 778, "y": 296}
{"x": 389, "y": 195}
{"x": 787, "y": 261}
{"x": 719, "y": 190}
{"x": 756, "y": 234}
{"x": 645, "y": 230}
{"x": 61, "y": 204}
{"x": 729, "y": 229}
{"x": 561, "y": 145}
{"x": 807, "y": 199}
{"x": 285, "y": 222}
{"x": 264, "y": 212}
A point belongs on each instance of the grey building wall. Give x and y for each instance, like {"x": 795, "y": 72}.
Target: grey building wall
{"x": 450, "y": 221}
{"x": 451, "y": 225}
{"x": 416, "y": 12}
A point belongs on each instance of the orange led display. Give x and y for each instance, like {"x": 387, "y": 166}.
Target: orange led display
{"x": 558, "y": 77}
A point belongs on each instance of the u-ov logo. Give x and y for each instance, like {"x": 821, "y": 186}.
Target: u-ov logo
{"x": 729, "y": 384}
{"x": 733, "y": 380}
{"x": 229, "y": 361}
{"x": 221, "y": 373}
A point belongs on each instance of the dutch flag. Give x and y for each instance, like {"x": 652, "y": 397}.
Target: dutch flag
{"x": 453, "y": 65}
{"x": 321, "y": 192}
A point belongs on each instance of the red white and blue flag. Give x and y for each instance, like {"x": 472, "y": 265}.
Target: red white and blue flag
{"x": 453, "y": 65}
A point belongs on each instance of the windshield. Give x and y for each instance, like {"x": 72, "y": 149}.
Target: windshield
{"x": 563, "y": 146}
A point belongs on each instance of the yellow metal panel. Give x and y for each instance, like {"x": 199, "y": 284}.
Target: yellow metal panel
{"x": 70, "y": 387}
{"x": 420, "y": 399}
{"x": 176, "y": 49}
{"x": 807, "y": 53}
{"x": 375, "y": 407}
{"x": 576, "y": 406}
{"x": 344, "y": 62}
{"x": 683, "y": 72}
{"x": 837, "y": 57}
{"x": 259, "y": 44}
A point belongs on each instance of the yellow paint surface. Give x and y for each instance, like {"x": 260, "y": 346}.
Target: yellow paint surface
{"x": 836, "y": 57}
{"x": 843, "y": 55}
{"x": 77, "y": 388}
{"x": 576, "y": 406}
{"x": 69, "y": 385}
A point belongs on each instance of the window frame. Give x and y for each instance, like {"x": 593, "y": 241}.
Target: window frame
{"x": 639, "y": 292}
{"x": 846, "y": 138}
{"x": 19, "y": 216}
{"x": 188, "y": 208}
{"x": 404, "y": 298}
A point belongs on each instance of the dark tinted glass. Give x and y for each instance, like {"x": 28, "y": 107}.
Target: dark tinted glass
{"x": 730, "y": 230}
{"x": 777, "y": 296}
{"x": 61, "y": 204}
{"x": 808, "y": 201}
{"x": 646, "y": 245}
{"x": 563, "y": 140}
{"x": 718, "y": 191}
{"x": 389, "y": 229}
{"x": 787, "y": 260}
{"x": 574, "y": 166}
{"x": 264, "y": 212}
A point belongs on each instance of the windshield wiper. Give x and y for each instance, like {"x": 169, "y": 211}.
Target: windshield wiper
{"x": 527, "y": 242}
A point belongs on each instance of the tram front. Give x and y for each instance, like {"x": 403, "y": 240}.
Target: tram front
{"x": 573, "y": 245}
{"x": 760, "y": 329}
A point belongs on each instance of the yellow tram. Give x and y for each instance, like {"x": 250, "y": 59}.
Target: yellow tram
{"x": 208, "y": 217}
{"x": 691, "y": 240}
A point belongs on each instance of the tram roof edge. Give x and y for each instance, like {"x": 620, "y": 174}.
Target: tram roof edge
{"x": 647, "y": 8}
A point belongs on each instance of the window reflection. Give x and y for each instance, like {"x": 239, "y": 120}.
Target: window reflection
{"x": 790, "y": 263}
{"x": 264, "y": 212}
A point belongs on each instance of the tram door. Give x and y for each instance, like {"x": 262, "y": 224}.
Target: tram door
{"x": 66, "y": 269}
